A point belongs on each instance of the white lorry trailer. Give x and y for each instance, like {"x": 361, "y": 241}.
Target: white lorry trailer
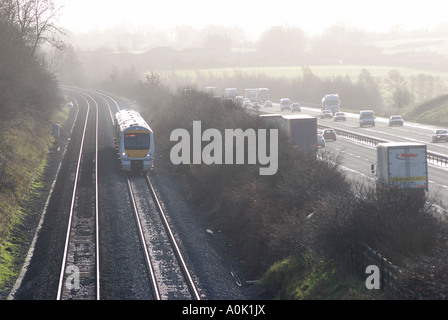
{"x": 230, "y": 93}
{"x": 301, "y": 131}
{"x": 251, "y": 94}
{"x": 402, "y": 165}
{"x": 331, "y": 102}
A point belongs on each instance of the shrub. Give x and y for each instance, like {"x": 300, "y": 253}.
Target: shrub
{"x": 397, "y": 223}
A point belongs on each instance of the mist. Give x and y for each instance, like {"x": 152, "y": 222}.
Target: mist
{"x": 129, "y": 51}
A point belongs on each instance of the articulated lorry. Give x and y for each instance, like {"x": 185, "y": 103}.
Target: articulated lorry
{"x": 301, "y": 131}
{"x": 230, "y": 93}
{"x": 251, "y": 94}
{"x": 262, "y": 95}
{"x": 331, "y": 102}
{"x": 402, "y": 165}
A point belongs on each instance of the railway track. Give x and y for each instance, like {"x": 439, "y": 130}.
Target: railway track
{"x": 79, "y": 276}
{"x": 93, "y": 199}
{"x": 170, "y": 276}
{"x": 168, "y": 273}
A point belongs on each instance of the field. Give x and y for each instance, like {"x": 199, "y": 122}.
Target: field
{"x": 324, "y": 71}
{"x": 437, "y": 45}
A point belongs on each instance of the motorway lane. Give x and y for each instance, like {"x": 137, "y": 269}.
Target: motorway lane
{"x": 357, "y": 158}
{"x": 410, "y": 132}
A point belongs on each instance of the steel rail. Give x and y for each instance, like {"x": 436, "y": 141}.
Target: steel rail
{"x": 190, "y": 282}
{"x": 72, "y": 205}
{"x": 191, "y": 285}
{"x": 97, "y": 228}
{"x": 155, "y": 287}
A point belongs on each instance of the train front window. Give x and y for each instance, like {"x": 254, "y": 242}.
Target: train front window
{"x": 136, "y": 141}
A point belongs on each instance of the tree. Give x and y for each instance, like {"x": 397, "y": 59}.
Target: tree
{"x": 65, "y": 64}
{"x": 26, "y": 87}
{"x": 401, "y": 96}
{"x": 369, "y": 88}
{"x": 35, "y": 20}
{"x": 282, "y": 44}
{"x": 339, "y": 43}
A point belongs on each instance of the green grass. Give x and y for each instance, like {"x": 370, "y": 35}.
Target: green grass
{"x": 294, "y": 279}
{"x": 434, "y": 111}
{"x": 7, "y": 259}
{"x": 326, "y": 71}
{"x": 422, "y": 44}
{"x": 12, "y": 237}
{"x": 27, "y": 149}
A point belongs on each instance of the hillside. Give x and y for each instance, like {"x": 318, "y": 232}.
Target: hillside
{"x": 434, "y": 111}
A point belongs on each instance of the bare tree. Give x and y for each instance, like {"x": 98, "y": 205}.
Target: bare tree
{"x": 35, "y": 20}
{"x": 282, "y": 43}
{"x": 401, "y": 96}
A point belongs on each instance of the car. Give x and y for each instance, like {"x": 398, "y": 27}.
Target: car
{"x": 366, "y": 118}
{"x": 320, "y": 140}
{"x": 295, "y": 107}
{"x": 396, "y": 121}
{"x": 239, "y": 100}
{"x": 255, "y": 105}
{"x": 329, "y": 134}
{"x": 440, "y": 135}
{"x": 285, "y": 103}
{"x": 339, "y": 116}
{"x": 246, "y": 103}
{"x": 268, "y": 104}
{"x": 326, "y": 114}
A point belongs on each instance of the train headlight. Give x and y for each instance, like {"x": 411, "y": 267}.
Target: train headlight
{"x": 123, "y": 154}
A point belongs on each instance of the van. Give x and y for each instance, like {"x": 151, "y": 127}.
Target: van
{"x": 285, "y": 103}
{"x": 366, "y": 118}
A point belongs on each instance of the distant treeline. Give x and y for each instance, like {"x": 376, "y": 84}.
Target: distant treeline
{"x": 392, "y": 93}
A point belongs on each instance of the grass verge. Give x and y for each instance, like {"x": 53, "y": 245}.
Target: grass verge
{"x": 27, "y": 149}
{"x": 297, "y": 278}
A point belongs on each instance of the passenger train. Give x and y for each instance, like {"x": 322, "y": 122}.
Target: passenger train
{"x": 135, "y": 141}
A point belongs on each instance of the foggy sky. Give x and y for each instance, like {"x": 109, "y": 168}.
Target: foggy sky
{"x": 252, "y": 15}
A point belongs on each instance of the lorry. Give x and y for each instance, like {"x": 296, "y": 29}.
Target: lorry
{"x": 262, "y": 95}
{"x": 230, "y": 93}
{"x": 212, "y": 91}
{"x": 251, "y": 94}
{"x": 301, "y": 131}
{"x": 402, "y": 165}
{"x": 272, "y": 119}
{"x": 331, "y": 102}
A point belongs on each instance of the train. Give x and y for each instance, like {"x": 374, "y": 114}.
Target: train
{"x": 134, "y": 141}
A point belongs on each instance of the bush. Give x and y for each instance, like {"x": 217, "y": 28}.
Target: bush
{"x": 308, "y": 208}
{"x": 262, "y": 215}
{"x": 400, "y": 224}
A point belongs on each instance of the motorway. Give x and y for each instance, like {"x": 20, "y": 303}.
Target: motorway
{"x": 358, "y": 157}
